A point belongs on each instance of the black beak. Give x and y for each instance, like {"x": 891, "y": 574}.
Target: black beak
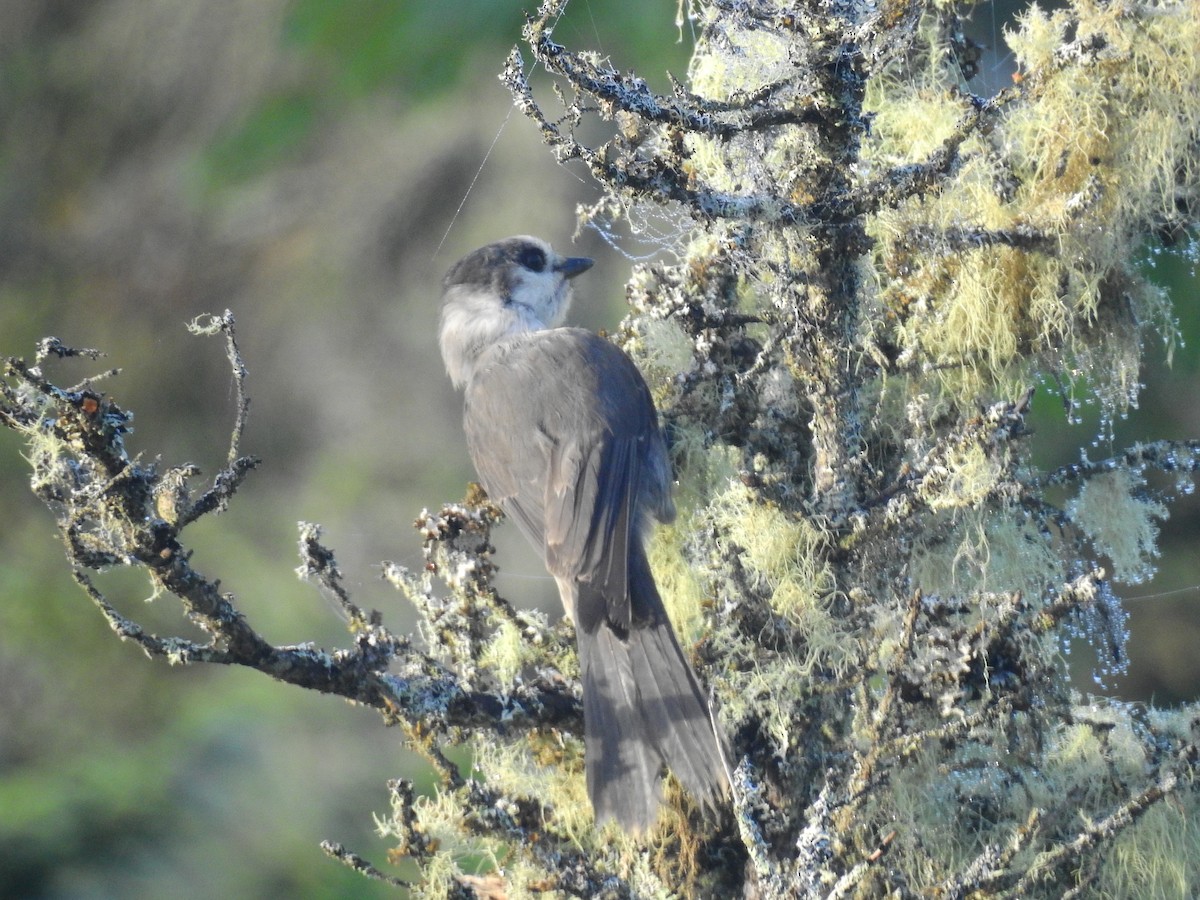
{"x": 571, "y": 266}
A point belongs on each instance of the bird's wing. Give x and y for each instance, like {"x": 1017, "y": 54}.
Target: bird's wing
{"x": 506, "y": 444}
{"x": 565, "y": 438}
{"x": 590, "y": 516}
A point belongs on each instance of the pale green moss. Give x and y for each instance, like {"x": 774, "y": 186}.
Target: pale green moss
{"x": 967, "y": 476}
{"x": 976, "y": 551}
{"x": 666, "y": 349}
{"x": 1121, "y": 524}
{"x": 757, "y": 57}
{"x": 1158, "y": 858}
{"x": 679, "y": 583}
{"x": 512, "y": 769}
{"x": 508, "y": 652}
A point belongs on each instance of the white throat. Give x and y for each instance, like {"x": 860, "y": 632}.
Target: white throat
{"x": 474, "y": 320}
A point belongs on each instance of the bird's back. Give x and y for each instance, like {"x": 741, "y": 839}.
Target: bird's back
{"x": 542, "y": 411}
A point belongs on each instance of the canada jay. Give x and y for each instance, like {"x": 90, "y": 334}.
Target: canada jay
{"x": 565, "y": 438}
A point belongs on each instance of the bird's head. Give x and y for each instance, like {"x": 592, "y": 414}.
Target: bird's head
{"x": 512, "y": 286}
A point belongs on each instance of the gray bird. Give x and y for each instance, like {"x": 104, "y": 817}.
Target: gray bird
{"x": 565, "y": 438}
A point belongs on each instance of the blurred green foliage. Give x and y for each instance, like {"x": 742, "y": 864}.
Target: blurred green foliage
{"x": 423, "y": 50}
{"x": 268, "y": 135}
{"x": 419, "y": 49}
{"x": 418, "y": 54}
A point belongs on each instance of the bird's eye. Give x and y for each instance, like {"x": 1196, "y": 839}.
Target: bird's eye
{"x": 532, "y": 258}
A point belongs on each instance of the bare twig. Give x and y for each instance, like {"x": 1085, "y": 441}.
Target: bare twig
{"x": 360, "y": 865}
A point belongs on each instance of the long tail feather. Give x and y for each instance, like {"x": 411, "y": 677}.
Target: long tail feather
{"x": 643, "y": 709}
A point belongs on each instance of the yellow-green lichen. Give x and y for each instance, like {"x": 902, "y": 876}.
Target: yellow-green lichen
{"x": 1120, "y": 523}
{"x": 785, "y": 556}
{"x": 666, "y": 348}
{"x": 1158, "y": 857}
{"x": 679, "y": 583}
{"x": 509, "y": 651}
{"x": 966, "y": 476}
{"x": 766, "y": 689}
{"x": 513, "y": 769}
{"x": 754, "y": 57}
{"x": 1061, "y": 204}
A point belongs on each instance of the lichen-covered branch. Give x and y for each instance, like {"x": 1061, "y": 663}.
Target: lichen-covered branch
{"x": 114, "y": 510}
{"x": 864, "y": 283}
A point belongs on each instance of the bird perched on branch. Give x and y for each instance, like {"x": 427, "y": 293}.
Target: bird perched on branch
{"x": 565, "y": 438}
